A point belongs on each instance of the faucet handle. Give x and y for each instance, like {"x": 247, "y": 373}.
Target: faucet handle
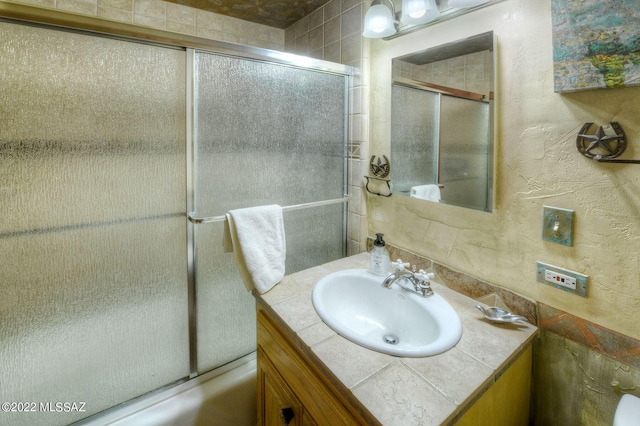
{"x": 400, "y": 265}
{"x": 423, "y": 275}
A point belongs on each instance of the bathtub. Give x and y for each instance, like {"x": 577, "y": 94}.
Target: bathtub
{"x": 225, "y": 396}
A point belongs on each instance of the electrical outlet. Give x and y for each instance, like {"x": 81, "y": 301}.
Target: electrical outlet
{"x": 562, "y": 279}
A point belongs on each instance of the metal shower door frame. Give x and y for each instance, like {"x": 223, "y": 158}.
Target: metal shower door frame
{"x": 267, "y": 56}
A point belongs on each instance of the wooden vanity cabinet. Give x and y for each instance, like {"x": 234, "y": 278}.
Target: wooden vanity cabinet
{"x": 291, "y": 391}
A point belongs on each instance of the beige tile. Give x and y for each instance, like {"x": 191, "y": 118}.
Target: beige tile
{"x": 351, "y": 48}
{"x": 209, "y": 20}
{"x": 182, "y": 14}
{"x": 78, "y": 6}
{"x": 484, "y": 344}
{"x": 350, "y": 363}
{"x": 125, "y": 5}
{"x": 301, "y": 27}
{"x": 454, "y": 373}
{"x": 353, "y": 262}
{"x": 316, "y": 18}
{"x": 40, "y": 3}
{"x": 178, "y": 27}
{"x": 114, "y": 14}
{"x": 259, "y": 32}
{"x": 315, "y": 333}
{"x": 150, "y": 8}
{"x": 209, "y": 33}
{"x": 302, "y": 45}
{"x": 308, "y": 278}
{"x": 393, "y": 396}
{"x": 460, "y": 302}
{"x": 288, "y": 288}
{"x": 457, "y": 62}
{"x": 351, "y": 22}
{"x": 332, "y": 9}
{"x": 348, "y": 4}
{"x": 332, "y": 31}
{"x": 316, "y": 38}
{"x": 297, "y": 312}
{"x": 475, "y": 58}
{"x": 276, "y": 35}
{"x": 150, "y": 22}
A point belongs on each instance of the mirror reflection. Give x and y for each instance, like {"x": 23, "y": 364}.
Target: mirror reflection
{"x": 442, "y": 123}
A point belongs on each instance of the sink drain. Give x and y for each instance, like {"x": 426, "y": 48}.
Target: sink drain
{"x": 390, "y": 339}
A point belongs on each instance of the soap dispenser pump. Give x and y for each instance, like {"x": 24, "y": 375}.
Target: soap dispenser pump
{"x": 379, "y": 257}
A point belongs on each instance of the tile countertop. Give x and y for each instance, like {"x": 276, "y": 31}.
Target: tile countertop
{"x": 400, "y": 391}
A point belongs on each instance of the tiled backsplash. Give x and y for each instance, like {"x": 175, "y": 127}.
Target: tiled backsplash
{"x": 467, "y": 285}
{"x": 619, "y": 347}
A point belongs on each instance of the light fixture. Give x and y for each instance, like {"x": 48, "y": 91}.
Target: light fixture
{"x": 417, "y": 12}
{"x": 379, "y": 21}
{"x": 460, "y": 4}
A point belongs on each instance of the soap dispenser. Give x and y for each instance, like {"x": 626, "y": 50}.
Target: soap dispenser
{"x": 379, "y": 257}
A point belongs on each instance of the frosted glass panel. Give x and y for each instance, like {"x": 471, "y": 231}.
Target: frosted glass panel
{"x": 92, "y": 235}
{"x": 265, "y": 134}
{"x": 464, "y": 152}
{"x": 414, "y": 132}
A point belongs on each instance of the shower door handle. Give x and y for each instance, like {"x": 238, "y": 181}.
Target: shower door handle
{"x": 286, "y": 415}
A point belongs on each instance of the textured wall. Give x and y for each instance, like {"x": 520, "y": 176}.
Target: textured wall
{"x": 537, "y": 164}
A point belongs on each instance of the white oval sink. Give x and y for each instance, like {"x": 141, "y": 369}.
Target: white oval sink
{"x": 393, "y": 321}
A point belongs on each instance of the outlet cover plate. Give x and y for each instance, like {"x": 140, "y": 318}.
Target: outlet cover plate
{"x": 582, "y": 281}
{"x": 557, "y": 225}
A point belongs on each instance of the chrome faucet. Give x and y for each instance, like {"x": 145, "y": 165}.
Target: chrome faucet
{"x": 420, "y": 281}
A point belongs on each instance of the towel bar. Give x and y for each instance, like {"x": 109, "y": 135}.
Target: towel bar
{"x": 198, "y": 220}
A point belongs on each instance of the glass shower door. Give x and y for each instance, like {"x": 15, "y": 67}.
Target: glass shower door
{"x": 465, "y": 152}
{"x": 264, "y": 134}
{"x": 93, "y": 224}
{"x": 414, "y": 132}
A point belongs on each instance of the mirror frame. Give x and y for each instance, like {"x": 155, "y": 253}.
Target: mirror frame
{"x": 444, "y": 52}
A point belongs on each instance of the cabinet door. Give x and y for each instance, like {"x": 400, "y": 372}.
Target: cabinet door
{"x": 277, "y": 405}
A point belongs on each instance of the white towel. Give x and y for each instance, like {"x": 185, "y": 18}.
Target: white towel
{"x": 426, "y": 192}
{"x": 259, "y": 245}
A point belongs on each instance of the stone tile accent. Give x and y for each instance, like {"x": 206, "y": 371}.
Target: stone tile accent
{"x": 465, "y": 284}
{"x": 623, "y": 349}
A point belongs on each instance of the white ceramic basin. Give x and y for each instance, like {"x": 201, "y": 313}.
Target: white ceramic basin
{"x": 356, "y": 306}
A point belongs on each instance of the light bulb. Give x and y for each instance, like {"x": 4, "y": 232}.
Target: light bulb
{"x": 378, "y": 22}
{"x": 416, "y": 12}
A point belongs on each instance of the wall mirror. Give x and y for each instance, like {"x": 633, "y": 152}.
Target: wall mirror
{"x": 442, "y": 133}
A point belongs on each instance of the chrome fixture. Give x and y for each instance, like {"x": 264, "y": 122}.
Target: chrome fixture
{"x": 499, "y": 315}
{"x": 197, "y": 220}
{"x": 383, "y": 21}
{"x": 460, "y": 4}
{"x": 420, "y": 281}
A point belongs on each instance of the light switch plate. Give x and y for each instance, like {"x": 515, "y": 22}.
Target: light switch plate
{"x": 557, "y": 225}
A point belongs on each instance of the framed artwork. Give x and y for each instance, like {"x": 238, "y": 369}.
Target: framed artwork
{"x": 596, "y": 44}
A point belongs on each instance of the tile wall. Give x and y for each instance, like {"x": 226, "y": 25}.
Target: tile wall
{"x": 472, "y": 72}
{"x": 172, "y": 17}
